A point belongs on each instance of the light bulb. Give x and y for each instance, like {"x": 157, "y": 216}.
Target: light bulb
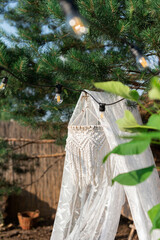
{"x": 101, "y": 115}
{"x": 102, "y": 108}
{"x": 78, "y": 24}
{"x": 2, "y": 86}
{"x": 58, "y": 99}
{"x": 3, "y": 83}
{"x": 140, "y": 59}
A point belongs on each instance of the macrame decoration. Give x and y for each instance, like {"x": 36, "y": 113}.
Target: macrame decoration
{"x": 89, "y": 206}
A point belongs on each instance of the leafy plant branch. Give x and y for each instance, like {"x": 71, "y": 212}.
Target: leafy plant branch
{"x": 140, "y": 139}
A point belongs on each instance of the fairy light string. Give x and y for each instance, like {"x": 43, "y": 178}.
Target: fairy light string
{"x": 58, "y": 91}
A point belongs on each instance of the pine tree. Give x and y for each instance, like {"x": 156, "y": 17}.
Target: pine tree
{"x": 45, "y": 53}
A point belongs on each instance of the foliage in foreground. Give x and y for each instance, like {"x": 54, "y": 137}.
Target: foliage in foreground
{"x": 140, "y": 139}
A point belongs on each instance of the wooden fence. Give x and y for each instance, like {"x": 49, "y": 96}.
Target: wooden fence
{"x": 41, "y": 184}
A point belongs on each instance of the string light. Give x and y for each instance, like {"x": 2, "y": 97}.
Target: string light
{"x": 140, "y": 59}
{"x": 78, "y": 24}
{"x": 3, "y": 83}
{"x": 102, "y": 108}
{"x": 58, "y": 99}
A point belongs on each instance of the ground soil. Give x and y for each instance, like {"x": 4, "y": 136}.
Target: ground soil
{"x": 43, "y": 232}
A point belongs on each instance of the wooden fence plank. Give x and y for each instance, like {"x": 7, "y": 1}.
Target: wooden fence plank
{"x": 41, "y": 188}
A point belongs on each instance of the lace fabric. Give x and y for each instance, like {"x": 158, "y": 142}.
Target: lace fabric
{"x": 89, "y": 207}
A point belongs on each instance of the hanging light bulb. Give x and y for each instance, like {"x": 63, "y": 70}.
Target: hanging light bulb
{"x": 102, "y": 108}
{"x": 58, "y": 99}
{"x": 140, "y": 59}
{"x": 3, "y": 83}
{"x": 78, "y": 24}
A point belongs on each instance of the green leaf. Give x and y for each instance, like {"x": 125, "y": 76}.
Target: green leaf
{"x": 134, "y": 177}
{"x": 119, "y": 89}
{"x": 154, "y": 93}
{"x": 129, "y": 123}
{"x": 154, "y": 215}
{"x": 149, "y": 135}
{"x": 154, "y": 121}
{"x": 133, "y": 147}
{"x": 134, "y": 94}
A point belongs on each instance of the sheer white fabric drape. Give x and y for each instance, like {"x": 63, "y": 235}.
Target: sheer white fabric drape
{"x": 89, "y": 207}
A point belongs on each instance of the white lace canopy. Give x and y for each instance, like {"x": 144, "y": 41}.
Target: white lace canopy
{"x": 89, "y": 207}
